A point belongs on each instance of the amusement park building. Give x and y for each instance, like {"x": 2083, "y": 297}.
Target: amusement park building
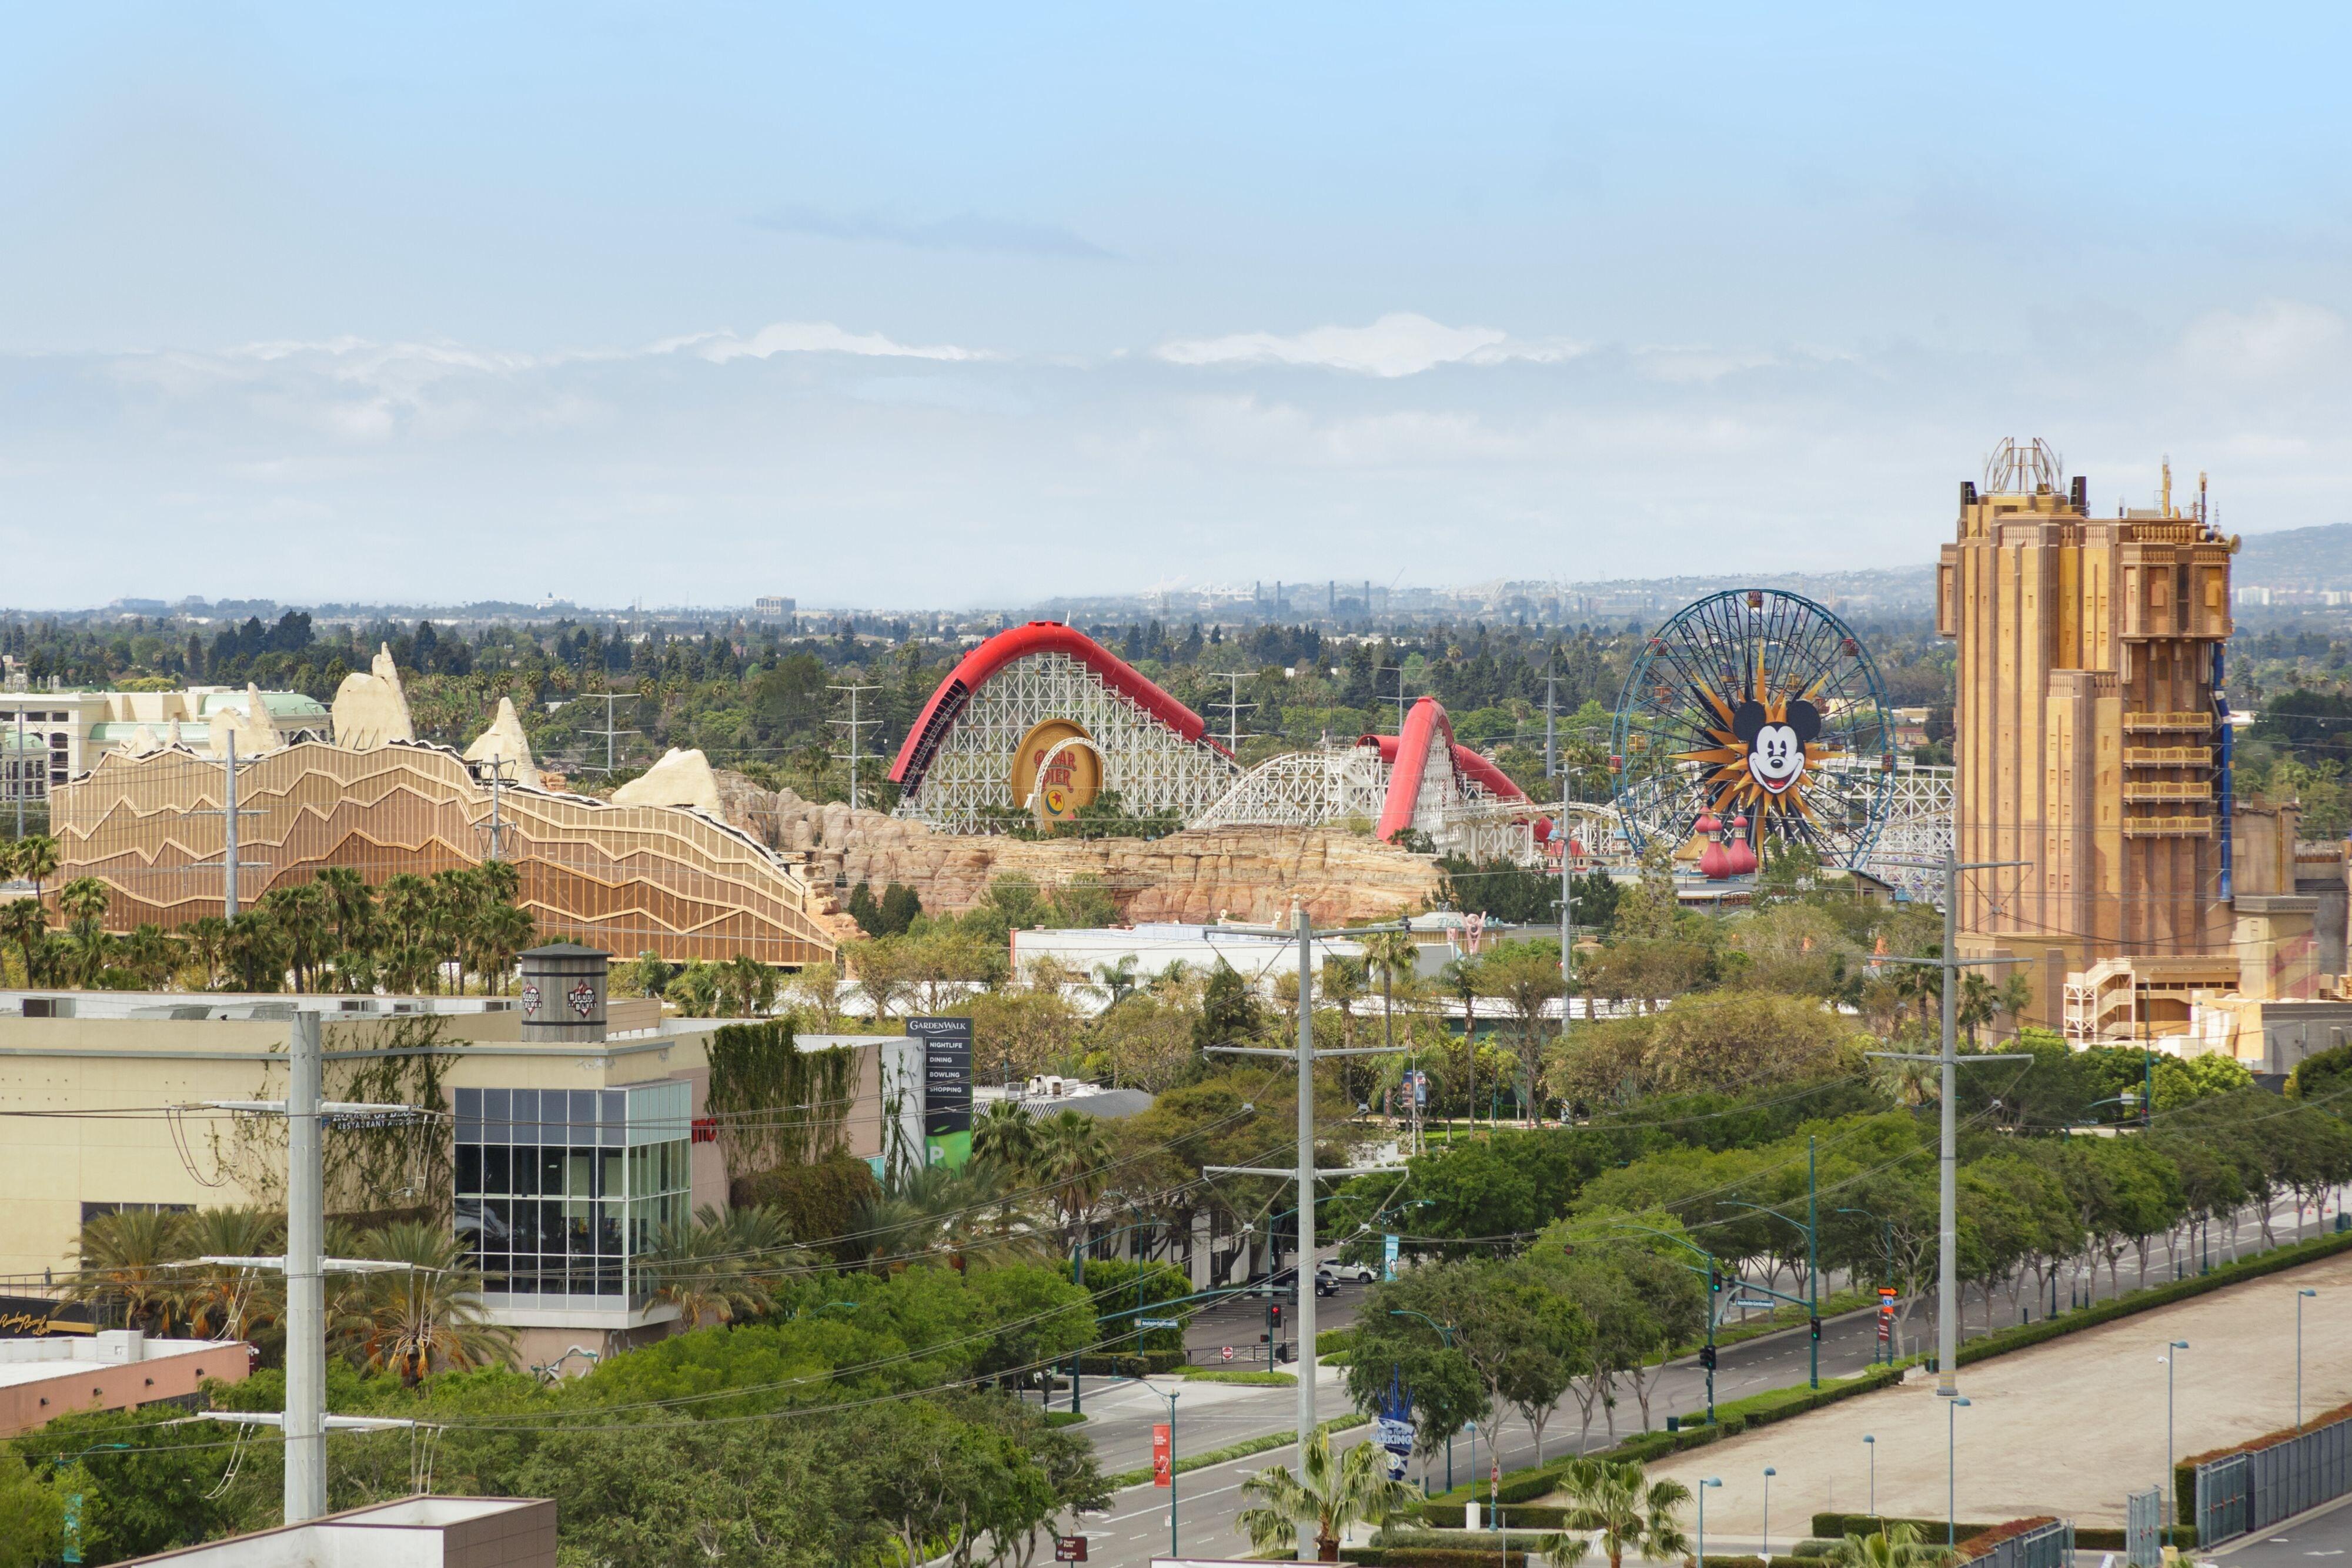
{"x": 147, "y": 819}
{"x": 2092, "y": 747}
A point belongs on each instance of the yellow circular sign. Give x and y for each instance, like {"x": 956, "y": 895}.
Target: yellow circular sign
{"x": 1052, "y": 778}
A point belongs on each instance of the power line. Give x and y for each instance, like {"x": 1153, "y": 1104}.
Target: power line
{"x": 608, "y": 732}
{"x": 854, "y": 725}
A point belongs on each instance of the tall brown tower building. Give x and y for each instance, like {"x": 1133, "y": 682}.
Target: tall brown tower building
{"x": 2087, "y": 726}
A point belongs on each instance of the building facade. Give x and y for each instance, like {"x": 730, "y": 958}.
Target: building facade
{"x": 48, "y": 738}
{"x": 561, "y": 1163}
{"x": 623, "y": 878}
{"x": 2088, "y": 715}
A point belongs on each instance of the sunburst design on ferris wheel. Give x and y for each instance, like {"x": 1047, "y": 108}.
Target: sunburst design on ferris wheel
{"x": 1763, "y": 743}
{"x": 1758, "y": 712}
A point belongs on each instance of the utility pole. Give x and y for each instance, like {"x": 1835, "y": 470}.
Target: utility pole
{"x": 1379, "y": 670}
{"x": 1947, "y": 1161}
{"x": 497, "y": 824}
{"x": 1232, "y": 704}
{"x": 1551, "y": 727}
{"x": 1305, "y": 1173}
{"x": 608, "y": 732}
{"x": 305, "y": 1421}
{"x": 17, "y": 769}
{"x": 854, "y": 725}
{"x": 229, "y": 812}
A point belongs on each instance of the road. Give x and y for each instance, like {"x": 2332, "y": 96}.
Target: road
{"x": 2306, "y": 1542}
{"x": 1119, "y": 1418}
{"x": 1121, "y": 1415}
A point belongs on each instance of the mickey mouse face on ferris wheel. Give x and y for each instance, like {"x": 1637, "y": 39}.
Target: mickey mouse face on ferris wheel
{"x": 1775, "y": 749}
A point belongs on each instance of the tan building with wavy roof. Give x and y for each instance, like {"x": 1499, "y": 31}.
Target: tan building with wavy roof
{"x": 625, "y": 878}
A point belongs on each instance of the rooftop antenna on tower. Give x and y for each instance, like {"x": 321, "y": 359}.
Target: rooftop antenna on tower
{"x": 2023, "y": 468}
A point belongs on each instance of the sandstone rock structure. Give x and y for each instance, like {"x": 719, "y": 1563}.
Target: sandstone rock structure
{"x": 506, "y": 741}
{"x": 680, "y": 778}
{"x": 255, "y": 730}
{"x": 372, "y": 710}
{"x": 1244, "y": 874}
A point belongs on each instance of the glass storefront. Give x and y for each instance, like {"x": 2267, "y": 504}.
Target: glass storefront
{"x": 558, "y": 1190}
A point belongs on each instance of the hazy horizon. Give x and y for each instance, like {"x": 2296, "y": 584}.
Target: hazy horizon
{"x": 926, "y": 306}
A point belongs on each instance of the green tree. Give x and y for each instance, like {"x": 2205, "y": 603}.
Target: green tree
{"x": 1330, "y": 1494}
{"x": 1617, "y": 1508}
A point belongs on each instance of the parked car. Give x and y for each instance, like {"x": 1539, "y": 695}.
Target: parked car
{"x": 1347, "y": 1273}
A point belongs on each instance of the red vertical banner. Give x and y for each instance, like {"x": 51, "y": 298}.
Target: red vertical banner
{"x": 1163, "y": 1464}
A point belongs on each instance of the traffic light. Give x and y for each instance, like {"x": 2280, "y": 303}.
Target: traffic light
{"x": 1706, "y": 1356}
{"x": 1817, "y": 1330}
{"x": 1714, "y": 1279}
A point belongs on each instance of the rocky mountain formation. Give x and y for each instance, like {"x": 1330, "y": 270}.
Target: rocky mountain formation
{"x": 1201, "y": 874}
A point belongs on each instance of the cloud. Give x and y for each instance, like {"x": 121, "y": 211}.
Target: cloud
{"x": 1401, "y": 343}
{"x": 964, "y": 231}
{"x": 2278, "y": 338}
{"x": 808, "y": 337}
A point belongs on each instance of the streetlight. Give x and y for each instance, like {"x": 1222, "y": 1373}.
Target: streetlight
{"x": 1871, "y": 1444}
{"x": 1445, "y": 1333}
{"x": 2299, "y": 1295}
{"x": 1171, "y": 1397}
{"x": 1768, "y": 1473}
{"x": 1952, "y": 1469}
{"x": 2177, "y": 1344}
{"x": 1709, "y": 1481}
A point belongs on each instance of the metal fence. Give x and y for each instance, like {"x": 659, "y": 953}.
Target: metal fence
{"x": 2241, "y": 1493}
{"x": 2050, "y": 1545}
{"x": 2144, "y": 1528}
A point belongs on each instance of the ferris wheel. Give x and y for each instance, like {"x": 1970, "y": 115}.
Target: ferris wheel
{"x": 1753, "y": 715}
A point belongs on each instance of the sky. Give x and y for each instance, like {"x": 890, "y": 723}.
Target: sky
{"x": 959, "y": 305}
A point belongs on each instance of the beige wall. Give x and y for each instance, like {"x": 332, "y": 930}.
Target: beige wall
{"x": 51, "y": 1166}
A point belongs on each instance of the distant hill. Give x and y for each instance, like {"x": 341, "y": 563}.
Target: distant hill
{"x": 2296, "y": 558}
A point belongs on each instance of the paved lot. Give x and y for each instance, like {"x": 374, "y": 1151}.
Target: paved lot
{"x": 2067, "y": 1429}
{"x": 2324, "y": 1534}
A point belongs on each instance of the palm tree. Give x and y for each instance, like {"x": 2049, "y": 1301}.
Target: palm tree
{"x": 1118, "y": 981}
{"x": 123, "y": 1260}
{"x": 36, "y": 858}
{"x": 976, "y": 1215}
{"x": 504, "y": 931}
{"x": 1070, "y": 1160}
{"x": 1005, "y": 1134}
{"x": 351, "y": 905}
{"x": 407, "y": 901}
{"x": 722, "y": 1264}
{"x": 253, "y": 951}
{"x": 1620, "y": 1509}
{"x": 432, "y": 1311}
{"x": 83, "y": 903}
{"x": 26, "y": 922}
{"x": 152, "y": 954}
{"x": 207, "y": 939}
{"x": 229, "y": 1302}
{"x": 1333, "y": 1494}
{"x": 304, "y": 918}
{"x": 1896, "y": 1544}
{"x": 749, "y": 984}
